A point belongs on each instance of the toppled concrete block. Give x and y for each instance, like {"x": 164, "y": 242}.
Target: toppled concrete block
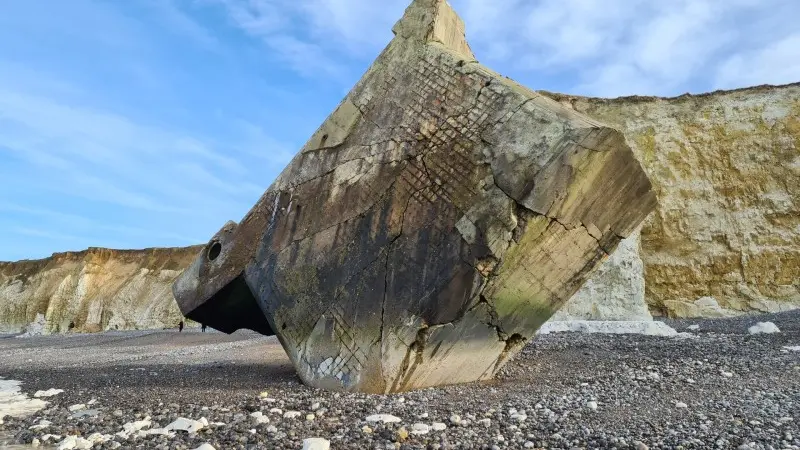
{"x": 430, "y": 226}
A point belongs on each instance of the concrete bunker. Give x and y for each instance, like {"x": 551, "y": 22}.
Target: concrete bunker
{"x": 436, "y": 219}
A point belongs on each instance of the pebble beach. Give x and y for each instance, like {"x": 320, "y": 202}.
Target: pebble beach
{"x": 718, "y": 383}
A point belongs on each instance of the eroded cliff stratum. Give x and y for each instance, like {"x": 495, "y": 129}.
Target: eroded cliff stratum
{"x": 726, "y": 169}
{"x": 725, "y": 237}
{"x": 97, "y": 289}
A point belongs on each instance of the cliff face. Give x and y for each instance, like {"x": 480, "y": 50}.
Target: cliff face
{"x": 614, "y": 292}
{"x": 726, "y": 169}
{"x": 725, "y": 238}
{"x": 97, "y": 289}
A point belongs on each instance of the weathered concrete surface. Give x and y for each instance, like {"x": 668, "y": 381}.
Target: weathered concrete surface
{"x": 432, "y": 224}
{"x": 97, "y": 289}
{"x": 725, "y": 239}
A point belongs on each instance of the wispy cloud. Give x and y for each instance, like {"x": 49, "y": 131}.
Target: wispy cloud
{"x": 593, "y": 47}
{"x": 621, "y": 47}
{"x": 283, "y": 29}
{"x": 775, "y": 62}
{"x": 93, "y": 154}
{"x": 178, "y": 21}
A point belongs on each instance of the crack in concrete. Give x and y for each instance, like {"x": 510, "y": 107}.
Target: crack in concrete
{"x": 324, "y": 148}
{"x": 340, "y": 292}
{"x": 330, "y": 171}
{"x": 391, "y": 139}
{"x": 362, "y": 214}
{"x": 513, "y": 342}
{"x": 385, "y": 294}
{"x": 364, "y": 115}
{"x": 394, "y": 240}
{"x": 502, "y": 121}
{"x": 579, "y": 145}
{"x": 493, "y": 316}
{"x": 580, "y": 224}
{"x": 417, "y": 348}
{"x": 552, "y": 218}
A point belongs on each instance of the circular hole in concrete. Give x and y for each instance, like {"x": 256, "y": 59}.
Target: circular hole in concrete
{"x": 214, "y": 250}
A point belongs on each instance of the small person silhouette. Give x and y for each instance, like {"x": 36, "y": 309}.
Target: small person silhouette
{"x": 203, "y": 327}
{"x": 180, "y": 327}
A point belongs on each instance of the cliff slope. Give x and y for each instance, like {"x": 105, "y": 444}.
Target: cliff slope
{"x": 726, "y": 169}
{"x": 97, "y": 289}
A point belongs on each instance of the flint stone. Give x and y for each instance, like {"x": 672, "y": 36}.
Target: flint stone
{"x": 316, "y": 444}
{"x": 85, "y": 413}
{"x": 385, "y": 418}
{"x": 48, "y": 393}
{"x": 184, "y": 424}
{"x": 436, "y": 219}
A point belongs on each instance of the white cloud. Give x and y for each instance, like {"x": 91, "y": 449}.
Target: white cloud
{"x": 306, "y": 58}
{"x": 356, "y": 27}
{"x": 57, "y": 148}
{"x": 182, "y": 23}
{"x": 58, "y": 216}
{"x": 258, "y": 17}
{"x": 284, "y": 28}
{"x": 775, "y": 63}
{"x": 593, "y": 47}
{"x": 621, "y": 47}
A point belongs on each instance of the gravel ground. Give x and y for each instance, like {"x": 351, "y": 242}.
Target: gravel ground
{"x": 720, "y": 388}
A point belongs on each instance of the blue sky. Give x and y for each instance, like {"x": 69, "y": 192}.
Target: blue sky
{"x": 149, "y": 123}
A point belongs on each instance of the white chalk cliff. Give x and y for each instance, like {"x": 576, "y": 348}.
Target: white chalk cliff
{"x": 725, "y": 238}
{"x": 95, "y": 290}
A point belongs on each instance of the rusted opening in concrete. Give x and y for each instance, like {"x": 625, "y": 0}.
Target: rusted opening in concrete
{"x": 214, "y": 250}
